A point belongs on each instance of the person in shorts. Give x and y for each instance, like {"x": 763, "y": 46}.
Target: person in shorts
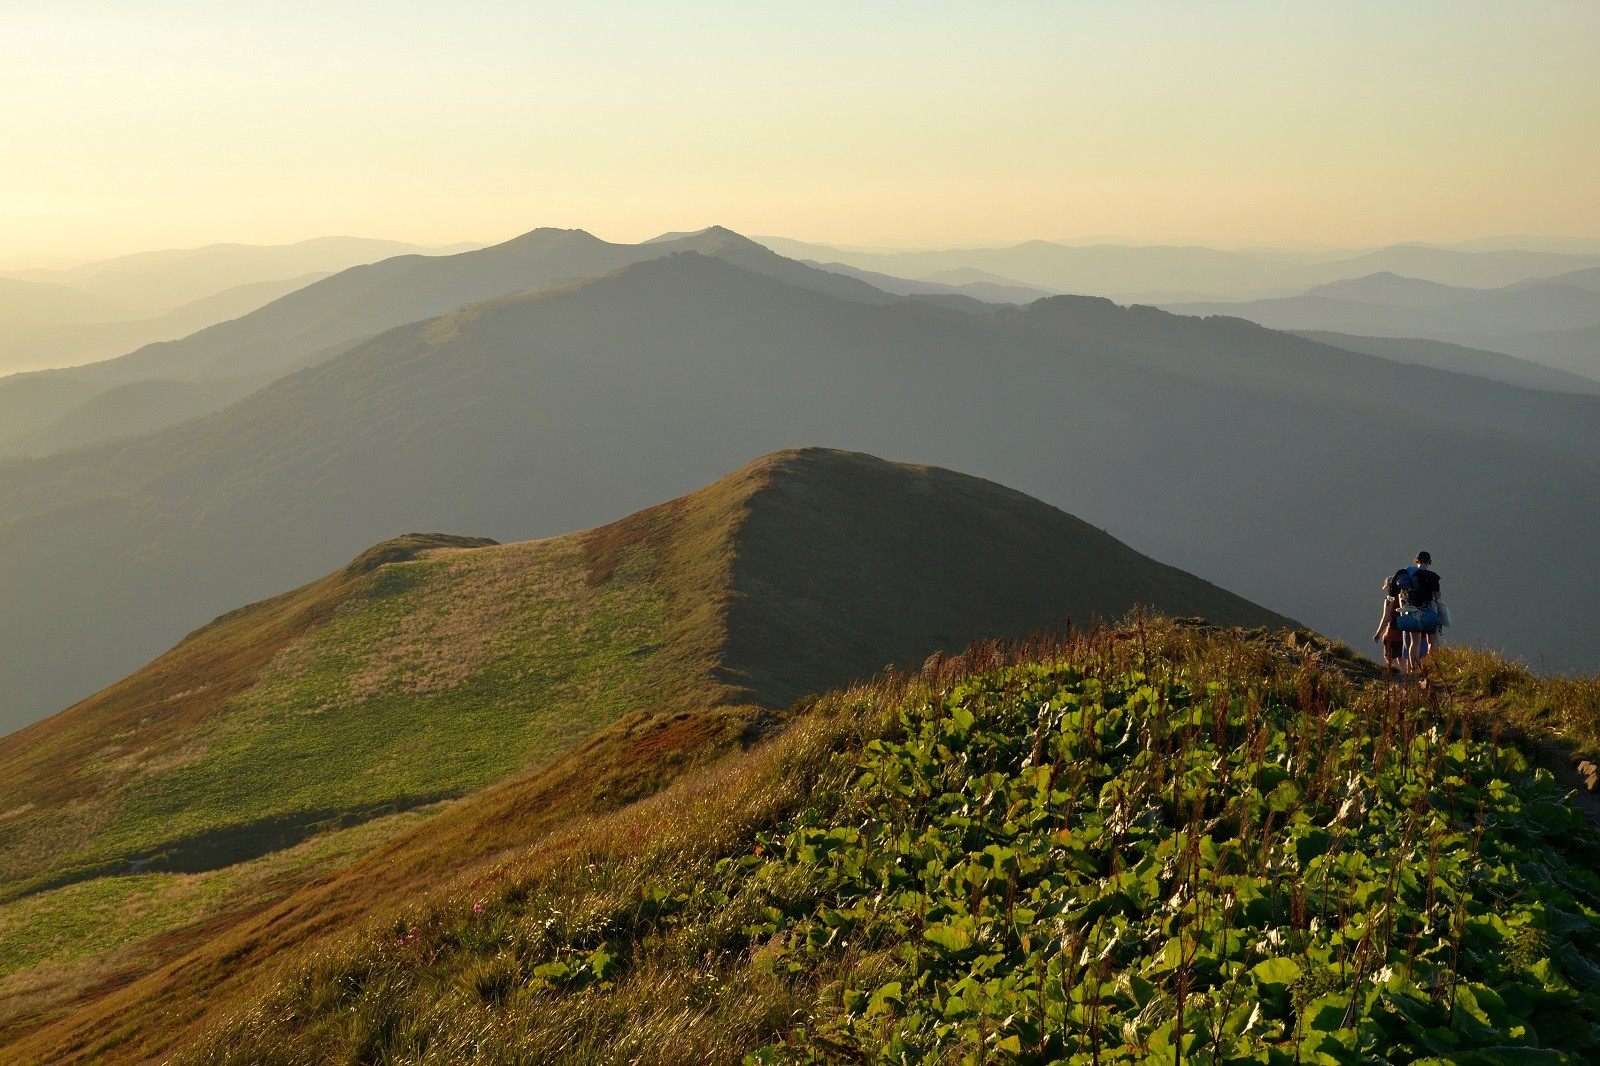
{"x": 1417, "y": 645}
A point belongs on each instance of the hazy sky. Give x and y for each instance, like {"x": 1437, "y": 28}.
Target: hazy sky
{"x": 134, "y": 124}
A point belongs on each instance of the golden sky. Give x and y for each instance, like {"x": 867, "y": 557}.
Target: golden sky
{"x": 141, "y": 124}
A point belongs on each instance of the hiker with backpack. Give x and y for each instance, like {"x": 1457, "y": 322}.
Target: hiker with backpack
{"x": 1420, "y": 613}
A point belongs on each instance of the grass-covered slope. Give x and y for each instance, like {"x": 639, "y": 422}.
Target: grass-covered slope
{"x": 1144, "y": 846}
{"x": 433, "y": 667}
{"x": 428, "y": 668}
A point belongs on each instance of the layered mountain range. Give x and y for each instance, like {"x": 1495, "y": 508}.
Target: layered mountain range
{"x": 1165, "y": 273}
{"x": 51, "y": 318}
{"x": 1553, "y": 321}
{"x": 1293, "y": 471}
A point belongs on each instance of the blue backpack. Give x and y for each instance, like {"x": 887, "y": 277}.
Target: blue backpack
{"x": 1420, "y": 586}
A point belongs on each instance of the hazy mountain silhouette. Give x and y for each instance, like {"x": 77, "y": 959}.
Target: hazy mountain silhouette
{"x": 29, "y": 402}
{"x": 34, "y": 312}
{"x": 69, "y": 342}
{"x": 1440, "y": 355}
{"x": 1449, "y": 266}
{"x": 1532, "y": 319}
{"x": 1548, "y": 306}
{"x": 1574, "y": 350}
{"x": 163, "y": 280}
{"x": 1155, "y": 273}
{"x": 125, "y": 411}
{"x": 530, "y": 415}
{"x": 1587, "y": 278}
{"x": 365, "y": 300}
{"x": 985, "y": 291}
{"x": 34, "y": 303}
{"x": 319, "y": 321}
{"x": 1386, "y": 287}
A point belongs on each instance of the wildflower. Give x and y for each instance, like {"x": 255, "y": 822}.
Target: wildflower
{"x": 477, "y": 908}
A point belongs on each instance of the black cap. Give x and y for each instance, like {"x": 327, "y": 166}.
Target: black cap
{"x": 1424, "y": 557}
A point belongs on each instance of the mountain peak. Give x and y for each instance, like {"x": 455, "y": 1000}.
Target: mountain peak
{"x": 1386, "y": 286}
{"x": 709, "y": 232}
{"x": 547, "y": 236}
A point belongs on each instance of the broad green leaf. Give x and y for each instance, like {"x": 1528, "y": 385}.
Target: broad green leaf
{"x": 1277, "y": 971}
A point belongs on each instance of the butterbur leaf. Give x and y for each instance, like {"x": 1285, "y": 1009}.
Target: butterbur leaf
{"x": 1522, "y": 1056}
{"x": 1312, "y": 844}
{"x": 885, "y": 999}
{"x": 602, "y": 964}
{"x": 1277, "y": 971}
{"x": 949, "y": 937}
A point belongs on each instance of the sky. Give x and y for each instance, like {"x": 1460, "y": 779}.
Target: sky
{"x": 139, "y": 124}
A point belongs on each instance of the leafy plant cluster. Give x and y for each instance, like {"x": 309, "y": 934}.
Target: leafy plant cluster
{"x": 1164, "y": 844}
{"x": 1047, "y": 868}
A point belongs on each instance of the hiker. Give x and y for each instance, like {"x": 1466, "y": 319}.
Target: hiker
{"x": 1388, "y": 633}
{"x": 1419, "y": 610}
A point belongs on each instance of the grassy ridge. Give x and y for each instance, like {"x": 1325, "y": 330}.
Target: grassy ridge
{"x": 428, "y": 668}
{"x": 1104, "y": 850}
{"x": 407, "y": 695}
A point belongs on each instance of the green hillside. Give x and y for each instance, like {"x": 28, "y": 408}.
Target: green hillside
{"x": 1156, "y": 845}
{"x": 285, "y": 739}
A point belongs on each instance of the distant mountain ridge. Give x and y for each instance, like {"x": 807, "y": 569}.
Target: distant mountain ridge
{"x": 1538, "y": 319}
{"x": 527, "y": 415}
{"x": 1460, "y": 359}
{"x": 124, "y": 303}
{"x": 163, "y": 280}
{"x": 1160, "y": 274}
{"x": 314, "y": 321}
{"x": 317, "y": 325}
{"x": 364, "y": 300}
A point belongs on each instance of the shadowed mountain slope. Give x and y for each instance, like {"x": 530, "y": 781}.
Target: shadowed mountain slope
{"x": 530, "y": 415}
{"x": 434, "y": 666}
{"x": 846, "y": 564}
{"x": 127, "y": 410}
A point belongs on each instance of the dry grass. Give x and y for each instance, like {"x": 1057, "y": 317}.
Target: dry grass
{"x": 60, "y": 948}
{"x": 1562, "y": 709}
